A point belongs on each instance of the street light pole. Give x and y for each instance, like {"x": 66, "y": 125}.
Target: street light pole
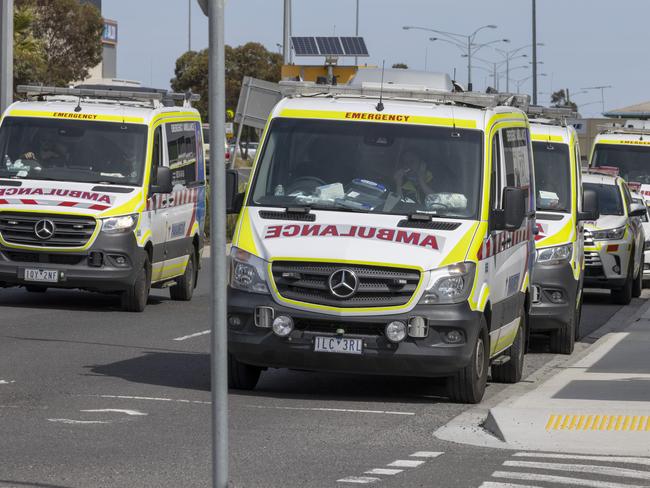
{"x": 534, "y": 52}
{"x": 469, "y": 63}
{"x": 189, "y": 25}
{"x": 286, "y": 43}
{"x": 6, "y": 53}
{"x": 356, "y": 33}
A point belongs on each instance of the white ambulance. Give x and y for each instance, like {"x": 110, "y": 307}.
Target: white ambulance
{"x": 387, "y": 229}
{"x": 559, "y": 265}
{"x": 101, "y": 189}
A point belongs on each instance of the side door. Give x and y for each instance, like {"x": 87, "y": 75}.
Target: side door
{"x": 635, "y": 227}
{"x": 157, "y": 211}
{"x": 579, "y": 246}
{"x": 183, "y": 152}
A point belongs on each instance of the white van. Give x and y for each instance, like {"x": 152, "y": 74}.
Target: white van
{"x": 386, "y": 230}
{"x": 101, "y": 189}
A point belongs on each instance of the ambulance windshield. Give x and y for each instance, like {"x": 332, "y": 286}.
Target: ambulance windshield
{"x": 72, "y": 150}
{"x": 633, "y": 162}
{"x": 552, "y": 176}
{"x": 370, "y": 167}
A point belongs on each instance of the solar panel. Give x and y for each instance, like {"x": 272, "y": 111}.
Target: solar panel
{"x": 304, "y": 46}
{"x": 354, "y": 46}
{"x": 329, "y": 46}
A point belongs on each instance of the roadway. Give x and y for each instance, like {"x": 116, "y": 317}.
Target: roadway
{"x": 94, "y": 397}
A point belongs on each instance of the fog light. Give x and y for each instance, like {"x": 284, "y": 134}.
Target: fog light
{"x": 283, "y": 326}
{"x": 616, "y": 269}
{"x": 234, "y": 321}
{"x": 396, "y": 331}
{"x": 556, "y": 296}
{"x": 264, "y": 317}
{"x": 418, "y": 327}
{"x": 453, "y": 336}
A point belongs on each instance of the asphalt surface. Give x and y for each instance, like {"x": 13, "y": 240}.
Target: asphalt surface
{"x": 91, "y": 396}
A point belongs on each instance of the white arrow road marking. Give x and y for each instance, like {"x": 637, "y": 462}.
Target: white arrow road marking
{"x": 116, "y": 410}
{"x": 184, "y": 338}
{"x": 70, "y": 421}
{"x": 358, "y": 479}
{"x": 427, "y": 454}
{"x": 580, "y": 457}
{"x": 405, "y": 463}
{"x": 564, "y": 480}
{"x": 582, "y": 468}
{"x": 386, "y": 471}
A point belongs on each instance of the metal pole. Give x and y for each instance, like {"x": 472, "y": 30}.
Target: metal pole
{"x": 534, "y": 52}
{"x": 469, "y": 63}
{"x": 495, "y": 77}
{"x": 356, "y": 33}
{"x": 426, "y": 58}
{"x": 602, "y": 99}
{"x": 189, "y": 25}
{"x": 6, "y": 53}
{"x": 507, "y": 73}
{"x": 219, "y": 342}
{"x": 286, "y": 43}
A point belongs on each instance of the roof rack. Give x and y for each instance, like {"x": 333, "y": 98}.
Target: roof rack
{"x": 554, "y": 115}
{"x": 99, "y": 92}
{"x": 395, "y": 92}
{"x": 614, "y": 129}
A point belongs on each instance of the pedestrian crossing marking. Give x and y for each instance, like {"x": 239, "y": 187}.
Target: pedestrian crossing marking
{"x": 608, "y": 423}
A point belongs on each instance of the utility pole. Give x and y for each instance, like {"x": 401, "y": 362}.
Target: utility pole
{"x": 189, "y": 25}
{"x": 286, "y": 37}
{"x": 6, "y": 53}
{"x": 469, "y": 63}
{"x": 356, "y": 33}
{"x": 214, "y": 9}
{"x": 534, "y": 52}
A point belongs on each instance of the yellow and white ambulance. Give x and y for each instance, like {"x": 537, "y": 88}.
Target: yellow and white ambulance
{"x": 387, "y": 229}
{"x": 559, "y": 265}
{"x": 101, "y": 189}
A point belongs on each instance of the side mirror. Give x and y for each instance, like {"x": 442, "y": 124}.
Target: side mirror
{"x": 234, "y": 199}
{"x": 590, "y": 209}
{"x": 637, "y": 210}
{"x": 163, "y": 183}
{"x": 514, "y": 207}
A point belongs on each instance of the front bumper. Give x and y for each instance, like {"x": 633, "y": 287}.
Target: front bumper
{"x": 606, "y": 264}
{"x": 430, "y": 356}
{"x": 545, "y": 313}
{"x": 76, "y": 269}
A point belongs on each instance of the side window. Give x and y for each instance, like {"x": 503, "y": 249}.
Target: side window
{"x": 497, "y": 187}
{"x": 182, "y": 150}
{"x": 578, "y": 166}
{"x": 156, "y": 154}
{"x": 516, "y": 156}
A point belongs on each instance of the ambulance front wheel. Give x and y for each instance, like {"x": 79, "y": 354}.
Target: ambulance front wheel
{"x": 513, "y": 370}
{"x": 468, "y": 384}
{"x": 242, "y": 376}
{"x": 623, "y": 295}
{"x": 184, "y": 287}
{"x": 134, "y": 299}
{"x": 637, "y": 287}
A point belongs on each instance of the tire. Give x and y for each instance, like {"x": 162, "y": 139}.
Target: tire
{"x": 242, "y": 376}
{"x": 623, "y": 296}
{"x": 637, "y": 286}
{"x": 563, "y": 340}
{"x": 513, "y": 370}
{"x": 468, "y": 384}
{"x": 135, "y": 298}
{"x": 35, "y": 288}
{"x": 184, "y": 287}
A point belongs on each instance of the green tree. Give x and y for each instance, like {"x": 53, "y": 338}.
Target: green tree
{"x": 400, "y": 66}
{"x": 29, "y": 54}
{"x": 560, "y": 99}
{"x": 251, "y": 59}
{"x": 66, "y": 37}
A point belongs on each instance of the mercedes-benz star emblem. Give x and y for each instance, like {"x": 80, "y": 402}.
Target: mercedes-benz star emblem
{"x": 44, "y": 229}
{"x": 343, "y": 283}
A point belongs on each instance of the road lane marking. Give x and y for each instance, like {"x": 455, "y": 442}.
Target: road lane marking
{"x": 386, "y": 471}
{"x": 153, "y": 399}
{"x": 405, "y": 463}
{"x": 6, "y": 382}
{"x": 70, "y": 421}
{"x": 582, "y": 468}
{"x": 323, "y": 409}
{"x": 564, "y": 480}
{"x": 358, "y": 479}
{"x": 496, "y": 484}
{"x": 184, "y": 338}
{"x": 427, "y": 454}
{"x": 116, "y": 410}
{"x": 581, "y": 457}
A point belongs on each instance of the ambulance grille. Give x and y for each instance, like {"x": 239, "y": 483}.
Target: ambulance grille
{"x": 592, "y": 259}
{"x": 379, "y": 286}
{"x": 589, "y": 238}
{"x": 70, "y": 231}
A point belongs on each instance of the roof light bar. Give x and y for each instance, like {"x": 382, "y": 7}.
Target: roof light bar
{"x": 111, "y": 94}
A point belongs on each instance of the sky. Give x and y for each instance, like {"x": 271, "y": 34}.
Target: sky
{"x": 586, "y": 42}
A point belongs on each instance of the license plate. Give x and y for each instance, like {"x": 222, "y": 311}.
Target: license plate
{"x": 42, "y": 275}
{"x": 338, "y": 344}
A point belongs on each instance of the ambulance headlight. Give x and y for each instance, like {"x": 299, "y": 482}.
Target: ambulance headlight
{"x": 608, "y": 234}
{"x": 247, "y": 272}
{"x": 555, "y": 255}
{"x": 451, "y": 284}
{"x": 118, "y": 225}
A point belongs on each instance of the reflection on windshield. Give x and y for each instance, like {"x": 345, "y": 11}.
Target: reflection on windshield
{"x": 633, "y": 162}
{"x": 609, "y": 198}
{"x": 370, "y": 167}
{"x": 72, "y": 150}
{"x": 552, "y": 176}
